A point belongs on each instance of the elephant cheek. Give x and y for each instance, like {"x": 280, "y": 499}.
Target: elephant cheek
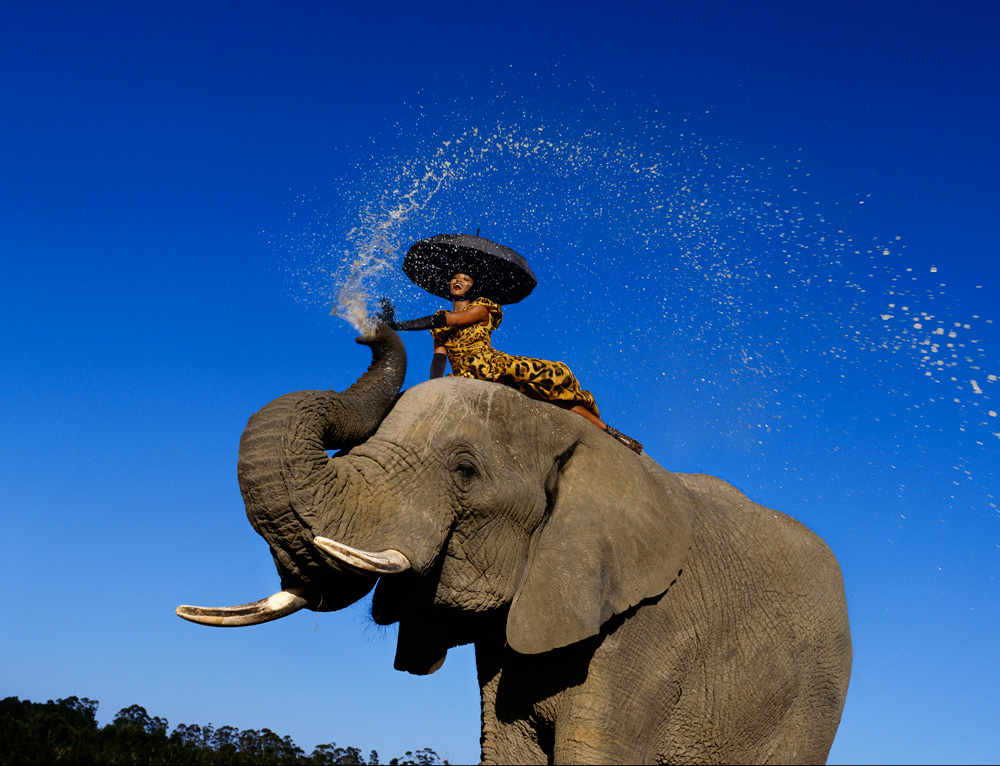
{"x": 481, "y": 572}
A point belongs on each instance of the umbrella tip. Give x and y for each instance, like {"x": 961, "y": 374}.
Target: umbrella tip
{"x": 477, "y": 231}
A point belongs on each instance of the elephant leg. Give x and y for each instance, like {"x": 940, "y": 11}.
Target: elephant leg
{"x": 517, "y": 741}
{"x": 587, "y": 740}
{"x": 543, "y": 709}
{"x": 510, "y": 735}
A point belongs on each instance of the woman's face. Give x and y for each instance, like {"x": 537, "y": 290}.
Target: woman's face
{"x": 460, "y": 285}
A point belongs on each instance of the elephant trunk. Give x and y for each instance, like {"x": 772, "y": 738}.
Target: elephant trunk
{"x": 285, "y": 472}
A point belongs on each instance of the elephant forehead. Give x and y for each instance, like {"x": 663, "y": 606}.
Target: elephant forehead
{"x": 505, "y": 427}
{"x": 446, "y": 408}
{"x": 477, "y": 393}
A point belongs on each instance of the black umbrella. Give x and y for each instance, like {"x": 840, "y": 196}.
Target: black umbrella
{"x": 498, "y": 272}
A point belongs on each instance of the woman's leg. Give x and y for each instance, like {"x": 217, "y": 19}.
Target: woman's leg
{"x": 585, "y": 413}
{"x": 579, "y": 409}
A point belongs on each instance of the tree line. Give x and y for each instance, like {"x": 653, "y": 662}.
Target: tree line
{"x": 66, "y": 732}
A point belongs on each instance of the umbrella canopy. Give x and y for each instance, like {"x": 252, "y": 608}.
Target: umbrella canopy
{"x": 498, "y": 272}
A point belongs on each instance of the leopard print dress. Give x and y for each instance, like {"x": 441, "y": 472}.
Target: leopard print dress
{"x": 472, "y": 355}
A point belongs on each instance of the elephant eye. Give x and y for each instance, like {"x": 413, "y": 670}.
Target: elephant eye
{"x": 465, "y": 473}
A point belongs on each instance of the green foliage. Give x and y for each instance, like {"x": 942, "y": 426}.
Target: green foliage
{"x": 66, "y": 732}
{"x": 423, "y": 757}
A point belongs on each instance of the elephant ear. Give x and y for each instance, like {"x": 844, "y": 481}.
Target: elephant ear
{"x": 618, "y": 531}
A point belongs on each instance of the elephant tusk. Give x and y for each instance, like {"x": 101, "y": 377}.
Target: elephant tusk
{"x": 281, "y": 604}
{"x": 386, "y": 562}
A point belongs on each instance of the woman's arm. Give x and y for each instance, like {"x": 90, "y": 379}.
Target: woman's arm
{"x": 472, "y": 315}
{"x": 469, "y": 316}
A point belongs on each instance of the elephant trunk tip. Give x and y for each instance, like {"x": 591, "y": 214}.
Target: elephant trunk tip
{"x": 381, "y": 333}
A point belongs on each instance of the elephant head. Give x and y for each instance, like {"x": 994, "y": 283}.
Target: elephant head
{"x": 468, "y": 503}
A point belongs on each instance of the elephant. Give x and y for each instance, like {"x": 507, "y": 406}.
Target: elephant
{"x": 620, "y": 613}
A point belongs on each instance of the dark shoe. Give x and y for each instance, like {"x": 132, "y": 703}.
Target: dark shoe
{"x": 628, "y": 441}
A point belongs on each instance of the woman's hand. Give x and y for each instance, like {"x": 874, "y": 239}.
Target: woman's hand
{"x": 386, "y": 312}
{"x": 432, "y": 322}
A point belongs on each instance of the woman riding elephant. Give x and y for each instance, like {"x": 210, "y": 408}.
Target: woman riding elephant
{"x": 463, "y": 337}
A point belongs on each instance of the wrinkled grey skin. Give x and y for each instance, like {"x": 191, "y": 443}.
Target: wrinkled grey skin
{"x": 621, "y": 613}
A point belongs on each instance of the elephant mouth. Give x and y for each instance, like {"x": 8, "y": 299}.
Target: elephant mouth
{"x": 290, "y": 600}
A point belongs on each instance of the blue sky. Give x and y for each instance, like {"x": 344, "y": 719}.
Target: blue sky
{"x": 756, "y": 231}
